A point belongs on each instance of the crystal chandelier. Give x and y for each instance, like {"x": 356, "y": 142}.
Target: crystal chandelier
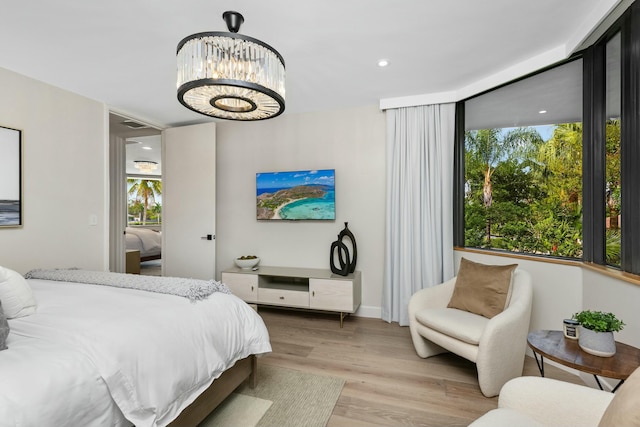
{"x": 229, "y": 75}
{"x": 145, "y": 166}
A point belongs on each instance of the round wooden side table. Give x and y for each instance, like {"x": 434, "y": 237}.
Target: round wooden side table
{"x": 555, "y": 346}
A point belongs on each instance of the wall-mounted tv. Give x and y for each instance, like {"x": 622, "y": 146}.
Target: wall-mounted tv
{"x": 296, "y": 195}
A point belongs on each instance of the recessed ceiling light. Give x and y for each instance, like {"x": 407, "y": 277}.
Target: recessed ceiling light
{"x": 146, "y": 148}
{"x": 383, "y": 63}
{"x": 542, "y": 111}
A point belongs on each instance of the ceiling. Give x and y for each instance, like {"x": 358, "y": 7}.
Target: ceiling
{"x": 142, "y": 143}
{"x": 557, "y": 92}
{"x": 122, "y": 52}
{"x": 144, "y": 149}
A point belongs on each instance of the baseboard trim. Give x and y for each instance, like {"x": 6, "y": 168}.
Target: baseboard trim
{"x": 369, "y": 311}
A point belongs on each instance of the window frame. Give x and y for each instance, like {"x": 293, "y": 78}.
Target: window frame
{"x": 594, "y": 128}
{"x": 630, "y": 139}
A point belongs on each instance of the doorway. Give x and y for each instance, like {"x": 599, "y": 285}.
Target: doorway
{"x": 135, "y": 196}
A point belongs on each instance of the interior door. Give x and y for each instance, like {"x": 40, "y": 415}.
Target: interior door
{"x": 189, "y": 201}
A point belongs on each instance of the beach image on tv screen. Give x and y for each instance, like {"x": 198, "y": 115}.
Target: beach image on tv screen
{"x": 296, "y": 195}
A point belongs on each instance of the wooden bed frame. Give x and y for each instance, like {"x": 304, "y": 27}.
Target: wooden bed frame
{"x": 150, "y": 257}
{"x": 220, "y": 389}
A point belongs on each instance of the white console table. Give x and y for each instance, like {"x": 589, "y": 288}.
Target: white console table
{"x": 310, "y": 288}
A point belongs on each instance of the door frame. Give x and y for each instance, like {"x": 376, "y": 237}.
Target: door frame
{"x": 118, "y": 134}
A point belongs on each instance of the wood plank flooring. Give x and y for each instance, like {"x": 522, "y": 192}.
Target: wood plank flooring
{"x": 387, "y": 384}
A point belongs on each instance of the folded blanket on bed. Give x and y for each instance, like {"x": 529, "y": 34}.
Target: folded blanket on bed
{"x": 192, "y": 289}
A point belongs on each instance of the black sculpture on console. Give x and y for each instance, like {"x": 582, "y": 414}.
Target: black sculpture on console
{"x": 342, "y": 250}
{"x": 347, "y": 262}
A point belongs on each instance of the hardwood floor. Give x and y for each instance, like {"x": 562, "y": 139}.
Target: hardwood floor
{"x": 387, "y": 384}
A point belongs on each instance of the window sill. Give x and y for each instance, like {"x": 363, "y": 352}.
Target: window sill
{"x": 613, "y": 273}
{"x": 607, "y": 271}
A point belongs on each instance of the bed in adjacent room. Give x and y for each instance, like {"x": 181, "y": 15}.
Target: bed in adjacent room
{"x": 118, "y": 353}
{"x": 145, "y": 240}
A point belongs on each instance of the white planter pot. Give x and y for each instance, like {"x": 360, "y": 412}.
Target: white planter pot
{"x": 597, "y": 343}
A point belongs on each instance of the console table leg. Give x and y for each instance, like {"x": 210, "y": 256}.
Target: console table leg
{"x": 342, "y": 316}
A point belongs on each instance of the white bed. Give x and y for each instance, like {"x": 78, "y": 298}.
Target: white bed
{"x": 145, "y": 240}
{"x": 44, "y": 384}
{"x": 94, "y": 355}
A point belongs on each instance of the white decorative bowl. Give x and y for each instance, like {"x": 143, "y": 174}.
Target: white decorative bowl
{"x": 247, "y": 264}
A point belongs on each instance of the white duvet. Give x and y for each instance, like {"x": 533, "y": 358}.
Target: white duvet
{"x": 147, "y": 241}
{"x": 43, "y": 384}
{"x": 154, "y": 352}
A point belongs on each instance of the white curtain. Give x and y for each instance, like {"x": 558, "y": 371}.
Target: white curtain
{"x": 419, "y": 220}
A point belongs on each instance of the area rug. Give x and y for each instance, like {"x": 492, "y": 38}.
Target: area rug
{"x": 283, "y": 397}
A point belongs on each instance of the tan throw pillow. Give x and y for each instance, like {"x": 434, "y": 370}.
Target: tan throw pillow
{"x": 482, "y": 289}
{"x": 624, "y": 409}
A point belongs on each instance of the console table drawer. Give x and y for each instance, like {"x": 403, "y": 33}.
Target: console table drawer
{"x": 283, "y": 297}
{"x": 244, "y": 286}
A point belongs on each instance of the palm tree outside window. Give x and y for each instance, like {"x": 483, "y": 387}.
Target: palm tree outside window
{"x": 144, "y": 205}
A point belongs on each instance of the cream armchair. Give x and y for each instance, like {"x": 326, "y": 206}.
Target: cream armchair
{"x": 497, "y": 346}
{"x": 536, "y": 401}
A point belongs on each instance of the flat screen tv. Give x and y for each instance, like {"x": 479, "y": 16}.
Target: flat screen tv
{"x": 296, "y": 195}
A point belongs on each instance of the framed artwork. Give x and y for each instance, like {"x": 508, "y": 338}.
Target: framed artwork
{"x": 10, "y": 177}
{"x": 296, "y": 195}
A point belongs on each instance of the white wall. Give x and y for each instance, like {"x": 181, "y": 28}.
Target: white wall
{"x": 350, "y": 141}
{"x": 605, "y": 293}
{"x": 64, "y": 177}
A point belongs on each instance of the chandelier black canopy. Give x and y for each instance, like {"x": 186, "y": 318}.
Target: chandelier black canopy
{"x": 229, "y": 75}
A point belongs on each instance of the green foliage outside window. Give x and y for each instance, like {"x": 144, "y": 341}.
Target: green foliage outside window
{"x": 143, "y": 201}
{"x": 612, "y": 208}
{"x": 523, "y": 194}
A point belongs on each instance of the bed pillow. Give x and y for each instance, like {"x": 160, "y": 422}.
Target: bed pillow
{"x": 482, "y": 289}
{"x": 15, "y": 294}
{"x": 4, "y": 329}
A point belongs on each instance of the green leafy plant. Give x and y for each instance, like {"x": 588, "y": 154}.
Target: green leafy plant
{"x": 599, "y": 321}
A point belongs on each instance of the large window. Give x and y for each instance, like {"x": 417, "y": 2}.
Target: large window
{"x": 548, "y": 165}
{"x": 144, "y": 179}
{"x": 144, "y": 201}
{"x": 523, "y": 165}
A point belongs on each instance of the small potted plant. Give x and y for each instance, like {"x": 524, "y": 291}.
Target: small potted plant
{"x": 596, "y": 332}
